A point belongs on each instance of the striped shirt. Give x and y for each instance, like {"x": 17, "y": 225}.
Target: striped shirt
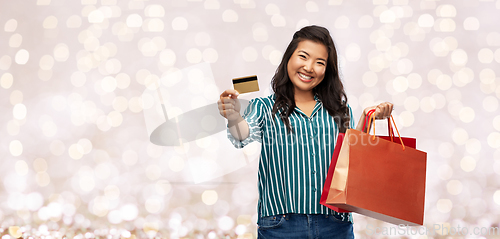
{"x": 292, "y": 166}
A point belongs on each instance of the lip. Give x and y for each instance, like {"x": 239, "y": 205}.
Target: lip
{"x": 304, "y": 80}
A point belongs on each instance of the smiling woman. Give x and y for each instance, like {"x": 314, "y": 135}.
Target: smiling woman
{"x": 312, "y": 106}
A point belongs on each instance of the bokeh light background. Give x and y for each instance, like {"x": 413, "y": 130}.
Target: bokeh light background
{"x": 75, "y": 153}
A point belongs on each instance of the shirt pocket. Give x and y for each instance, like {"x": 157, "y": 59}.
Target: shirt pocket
{"x": 271, "y": 222}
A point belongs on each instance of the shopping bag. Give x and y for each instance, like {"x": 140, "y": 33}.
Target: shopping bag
{"x": 379, "y": 178}
{"x": 331, "y": 169}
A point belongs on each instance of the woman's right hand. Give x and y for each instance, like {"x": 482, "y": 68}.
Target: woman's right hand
{"x": 229, "y": 105}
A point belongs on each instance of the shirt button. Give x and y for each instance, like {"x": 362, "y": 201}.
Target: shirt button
{"x": 314, "y": 189}
{"x": 312, "y": 154}
{"x": 311, "y": 136}
{"x": 314, "y": 172}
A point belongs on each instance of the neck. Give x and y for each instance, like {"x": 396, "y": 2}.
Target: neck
{"x": 303, "y": 96}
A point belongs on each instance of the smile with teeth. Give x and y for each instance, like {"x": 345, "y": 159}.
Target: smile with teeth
{"x": 304, "y": 77}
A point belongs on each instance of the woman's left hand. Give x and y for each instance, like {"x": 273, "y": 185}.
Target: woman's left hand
{"x": 382, "y": 111}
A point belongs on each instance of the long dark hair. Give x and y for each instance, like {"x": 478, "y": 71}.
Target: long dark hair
{"x": 330, "y": 91}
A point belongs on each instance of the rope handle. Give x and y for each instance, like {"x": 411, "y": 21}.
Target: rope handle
{"x": 371, "y": 115}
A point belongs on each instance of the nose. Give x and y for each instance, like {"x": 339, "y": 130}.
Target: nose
{"x": 308, "y": 66}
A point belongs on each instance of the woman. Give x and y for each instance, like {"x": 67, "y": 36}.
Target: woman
{"x": 297, "y": 126}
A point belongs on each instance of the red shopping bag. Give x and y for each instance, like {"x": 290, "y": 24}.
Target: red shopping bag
{"x": 379, "y": 178}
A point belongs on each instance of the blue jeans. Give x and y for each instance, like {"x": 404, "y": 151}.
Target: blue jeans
{"x": 304, "y": 226}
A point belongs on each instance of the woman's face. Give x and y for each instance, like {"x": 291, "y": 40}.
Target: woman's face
{"x": 307, "y": 65}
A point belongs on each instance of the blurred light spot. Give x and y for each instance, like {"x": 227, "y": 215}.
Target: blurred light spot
{"x": 427, "y": 104}
{"x": 134, "y": 104}
{"x": 19, "y": 111}
{"x": 10, "y": 25}
{"x": 259, "y": 31}
{"x": 49, "y": 128}
{"x": 176, "y": 163}
{"x": 91, "y": 43}
{"x": 15, "y": 40}
{"x": 42, "y": 179}
{"x": 50, "y": 22}
{"x": 467, "y": 114}
{"x": 78, "y": 79}
{"x": 463, "y": 77}
{"x": 61, "y": 52}
{"x": 57, "y": 147}
{"x": 370, "y": 78}
{"x": 494, "y": 140}
{"x": 99, "y": 207}
{"x": 496, "y": 197}
{"x": 473, "y": 146}
{"x": 153, "y": 172}
{"x": 275, "y": 57}
{"x": 445, "y": 25}
{"x": 226, "y": 223}
{"x": 153, "y": 205}
{"x": 75, "y": 151}
{"x": 471, "y": 24}
{"x": 179, "y": 24}
{"x": 210, "y": 55}
{"x": 134, "y": 20}
{"x": 342, "y": 22}
{"x": 272, "y": 9}
{"x": 446, "y": 10}
{"x": 459, "y": 57}
{"x": 445, "y": 172}
{"x": 129, "y": 212}
{"x": 211, "y": 4}
{"x": 353, "y": 52}
{"x": 130, "y": 157}
{"x": 278, "y": 21}
{"x": 74, "y": 21}
{"x": 311, "y": 6}
{"x": 400, "y": 84}
{"x": 209, "y": 197}
{"x": 446, "y": 150}
{"x": 120, "y": 103}
{"x": 21, "y": 167}
{"x": 414, "y": 80}
{"x": 114, "y": 217}
{"x": 444, "y": 82}
{"x": 444, "y": 205}
{"x": 108, "y": 84}
{"x": 115, "y": 118}
{"x": 40, "y": 165}
{"x": 154, "y": 10}
{"x": 122, "y": 81}
{"x": 229, "y": 16}
{"x": 153, "y": 25}
{"x": 387, "y": 16}
{"x": 366, "y": 21}
{"x": 412, "y": 103}
{"x": 490, "y": 103}
{"x": 15, "y": 147}
{"x": 86, "y": 145}
{"x": 487, "y": 76}
{"x": 6, "y": 80}
{"x": 163, "y": 187}
{"x": 46, "y": 62}
{"x": 425, "y": 20}
{"x": 496, "y": 122}
{"x": 16, "y": 97}
{"x": 194, "y": 55}
{"x": 250, "y": 54}
{"x": 22, "y": 56}
{"x": 468, "y": 164}
{"x": 96, "y": 16}
{"x": 406, "y": 118}
{"x": 111, "y": 192}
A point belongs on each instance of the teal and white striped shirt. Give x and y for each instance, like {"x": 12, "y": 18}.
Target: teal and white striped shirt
{"x": 293, "y": 166}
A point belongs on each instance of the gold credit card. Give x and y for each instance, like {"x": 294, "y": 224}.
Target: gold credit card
{"x": 246, "y": 84}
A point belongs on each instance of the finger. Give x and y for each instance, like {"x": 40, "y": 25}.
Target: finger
{"x": 228, "y": 101}
{"x": 229, "y": 93}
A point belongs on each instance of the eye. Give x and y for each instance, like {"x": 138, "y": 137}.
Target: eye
{"x": 321, "y": 63}
{"x": 302, "y": 56}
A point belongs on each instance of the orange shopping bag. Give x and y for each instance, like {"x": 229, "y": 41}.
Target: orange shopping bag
{"x": 379, "y": 178}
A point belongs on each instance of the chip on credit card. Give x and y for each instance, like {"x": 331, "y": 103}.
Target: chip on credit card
{"x": 246, "y": 84}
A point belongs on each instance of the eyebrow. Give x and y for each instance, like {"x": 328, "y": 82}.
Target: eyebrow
{"x": 309, "y": 55}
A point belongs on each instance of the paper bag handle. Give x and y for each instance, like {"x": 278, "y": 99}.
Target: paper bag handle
{"x": 371, "y": 115}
